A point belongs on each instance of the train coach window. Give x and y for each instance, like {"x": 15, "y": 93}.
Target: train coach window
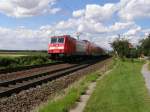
{"x": 60, "y": 40}
{"x": 53, "y": 40}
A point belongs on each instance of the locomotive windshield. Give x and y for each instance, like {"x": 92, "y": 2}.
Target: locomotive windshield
{"x": 60, "y": 40}
{"x": 53, "y": 40}
{"x": 57, "y": 40}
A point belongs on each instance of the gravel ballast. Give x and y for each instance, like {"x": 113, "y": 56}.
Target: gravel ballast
{"x": 27, "y": 100}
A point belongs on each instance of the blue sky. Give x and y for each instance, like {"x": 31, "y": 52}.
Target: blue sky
{"x": 67, "y": 6}
{"x": 27, "y": 21}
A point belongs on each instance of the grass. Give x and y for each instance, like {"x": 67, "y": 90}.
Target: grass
{"x": 122, "y": 90}
{"x": 72, "y": 94}
{"x": 12, "y": 59}
{"x": 12, "y": 55}
{"x": 13, "y": 62}
{"x": 22, "y": 53}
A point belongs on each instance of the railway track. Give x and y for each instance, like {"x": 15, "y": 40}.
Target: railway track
{"x": 17, "y": 69}
{"x": 29, "y": 72}
{"x": 11, "y": 86}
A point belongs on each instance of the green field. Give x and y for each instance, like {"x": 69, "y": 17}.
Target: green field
{"x": 12, "y": 55}
{"x": 22, "y": 53}
{"x": 122, "y": 90}
{"x": 13, "y": 59}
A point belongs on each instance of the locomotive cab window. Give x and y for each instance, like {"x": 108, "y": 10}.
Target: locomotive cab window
{"x": 53, "y": 40}
{"x": 60, "y": 40}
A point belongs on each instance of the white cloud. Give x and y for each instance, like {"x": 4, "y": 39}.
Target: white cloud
{"x": 126, "y": 9}
{"x": 146, "y": 31}
{"x": 98, "y": 12}
{"x": 27, "y": 8}
{"x": 91, "y": 27}
{"x": 69, "y": 24}
{"x": 78, "y": 13}
{"x": 133, "y": 9}
{"x": 93, "y": 17}
{"x": 133, "y": 32}
{"x": 22, "y": 38}
{"x": 121, "y": 25}
{"x": 92, "y": 21}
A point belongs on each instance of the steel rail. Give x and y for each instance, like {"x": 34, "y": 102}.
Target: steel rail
{"x": 23, "y": 68}
{"x": 15, "y": 86}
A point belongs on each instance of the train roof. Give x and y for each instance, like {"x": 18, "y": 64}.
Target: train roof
{"x": 60, "y": 36}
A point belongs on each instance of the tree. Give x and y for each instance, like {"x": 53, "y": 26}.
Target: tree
{"x": 145, "y": 45}
{"x": 121, "y": 47}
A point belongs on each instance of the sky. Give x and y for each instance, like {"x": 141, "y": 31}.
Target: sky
{"x": 27, "y": 24}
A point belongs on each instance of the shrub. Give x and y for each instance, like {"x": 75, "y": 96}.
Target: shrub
{"x": 23, "y": 61}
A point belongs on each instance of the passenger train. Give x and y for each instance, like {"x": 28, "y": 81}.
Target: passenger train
{"x": 68, "y": 47}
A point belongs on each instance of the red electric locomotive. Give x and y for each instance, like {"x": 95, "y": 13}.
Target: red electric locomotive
{"x": 66, "y": 46}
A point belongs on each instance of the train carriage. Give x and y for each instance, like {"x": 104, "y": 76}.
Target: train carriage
{"x": 66, "y": 46}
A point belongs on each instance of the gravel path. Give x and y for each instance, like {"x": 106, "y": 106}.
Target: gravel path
{"x": 146, "y": 74}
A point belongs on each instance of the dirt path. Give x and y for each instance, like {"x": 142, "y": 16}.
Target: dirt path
{"x": 79, "y": 107}
{"x": 146, "y": 74}
{"x": 83, "y": 99}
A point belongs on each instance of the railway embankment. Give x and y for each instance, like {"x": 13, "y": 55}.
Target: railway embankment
{"x": 27, "y": 100}
{"x": 72, "y": 95}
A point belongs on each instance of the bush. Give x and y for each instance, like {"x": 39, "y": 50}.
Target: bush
{"x": 6, "y": 61}
{"x": 121, "y": 47}
{"x": 23, "y": 61}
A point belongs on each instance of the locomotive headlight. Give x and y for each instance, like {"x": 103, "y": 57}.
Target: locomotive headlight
{"x": 62, "y": 47}
{"x": 53, "y": 48}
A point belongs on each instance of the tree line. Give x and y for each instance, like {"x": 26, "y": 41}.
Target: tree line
{"x": 123, "y": 48}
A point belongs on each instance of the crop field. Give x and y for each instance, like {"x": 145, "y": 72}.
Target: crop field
{"x": 12, "y": 59}
{"x": 21, "y": 53}
{"x": 11, "y": 55}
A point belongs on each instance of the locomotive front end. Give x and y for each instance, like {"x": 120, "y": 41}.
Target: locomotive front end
{"x": 56, "y": 47}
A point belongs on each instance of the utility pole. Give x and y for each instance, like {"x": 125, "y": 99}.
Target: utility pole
{"x": 78, "y": 35}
